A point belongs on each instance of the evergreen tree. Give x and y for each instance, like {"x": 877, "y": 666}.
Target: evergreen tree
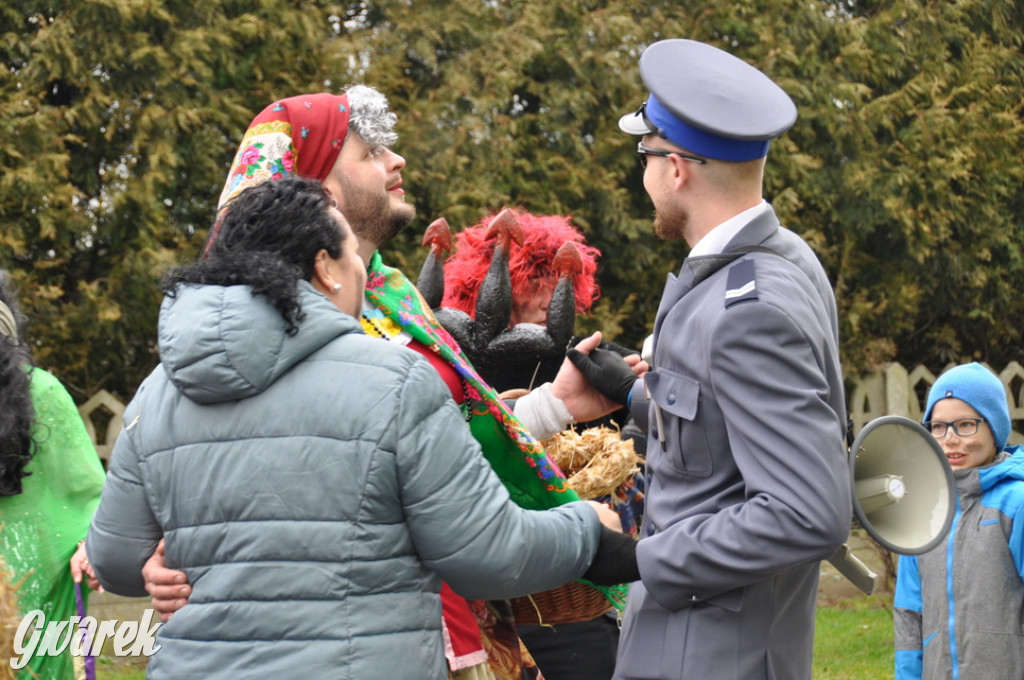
{"x": 119, "y": 118}
{"x": 902, "y": 170}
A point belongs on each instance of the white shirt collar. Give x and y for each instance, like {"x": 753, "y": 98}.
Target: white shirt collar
{"x": 715, "y": 241}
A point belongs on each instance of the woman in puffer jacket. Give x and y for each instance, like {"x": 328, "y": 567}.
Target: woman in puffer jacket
{"x": 959, "y": 609}
{"x": 315, "y": 484}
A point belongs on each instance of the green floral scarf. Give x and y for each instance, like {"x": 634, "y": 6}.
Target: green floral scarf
{"x": 532, "y": 480}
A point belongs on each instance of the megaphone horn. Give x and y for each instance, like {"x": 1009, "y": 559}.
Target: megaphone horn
{"x": 878, "y": 492}
{"x": 904, "y": 494}
{"x": 904, "y": 491}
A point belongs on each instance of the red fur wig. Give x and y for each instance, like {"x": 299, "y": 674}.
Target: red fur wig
{"x": 542, "y": 236}
{"x": 466, "y": 267}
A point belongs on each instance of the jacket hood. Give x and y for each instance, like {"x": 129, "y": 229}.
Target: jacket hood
{"x": 222, "y": 343}
{"x": 1010, "y": 465}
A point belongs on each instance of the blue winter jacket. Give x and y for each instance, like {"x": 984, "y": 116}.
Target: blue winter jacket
{"x": 316, "y": 489}
{"x": 959, "y": 609}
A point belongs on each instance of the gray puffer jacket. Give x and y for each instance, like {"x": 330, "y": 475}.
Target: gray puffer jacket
{"x": 316, "y": 489}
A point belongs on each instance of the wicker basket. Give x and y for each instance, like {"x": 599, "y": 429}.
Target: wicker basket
{"x": 570, "y": 603}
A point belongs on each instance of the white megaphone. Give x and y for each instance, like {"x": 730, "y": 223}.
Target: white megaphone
{"x": 904, "y": 494}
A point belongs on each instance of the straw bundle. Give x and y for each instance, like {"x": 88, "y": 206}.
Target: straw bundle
{"x": 596, "y": 461}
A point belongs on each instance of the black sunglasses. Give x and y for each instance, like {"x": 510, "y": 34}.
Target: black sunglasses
{"x": 644, "y": 151}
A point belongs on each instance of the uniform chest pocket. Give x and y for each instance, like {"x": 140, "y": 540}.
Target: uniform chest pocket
{"x": 686, "y": 446}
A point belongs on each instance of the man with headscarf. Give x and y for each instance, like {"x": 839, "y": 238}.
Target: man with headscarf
{"x": 344, "y": 141}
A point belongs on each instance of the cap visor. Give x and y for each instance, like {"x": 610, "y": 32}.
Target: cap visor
{"x": 633, "y": 124}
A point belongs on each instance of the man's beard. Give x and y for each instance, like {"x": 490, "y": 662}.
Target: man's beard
{"x": 371, "y": 215}
{"x": 670, "y": 224}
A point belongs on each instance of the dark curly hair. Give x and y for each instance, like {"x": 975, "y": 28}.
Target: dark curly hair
{"x": 268, "y": 239}
{"x": 16, "y": 411}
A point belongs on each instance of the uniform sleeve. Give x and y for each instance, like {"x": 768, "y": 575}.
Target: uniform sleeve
{"x": 462, "y": 522}
{"x": 787, "y": 443}
{"x": 124, "y": 531}
{"x": 907, "y": 620}
{"x": 639, "y": 406}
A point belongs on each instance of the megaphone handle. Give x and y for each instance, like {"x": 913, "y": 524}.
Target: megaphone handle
{"x": 847, "y": 564}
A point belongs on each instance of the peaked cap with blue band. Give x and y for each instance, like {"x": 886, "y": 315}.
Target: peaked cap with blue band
{"x": 708, "y": 101}
{"x": 980, "y": 389}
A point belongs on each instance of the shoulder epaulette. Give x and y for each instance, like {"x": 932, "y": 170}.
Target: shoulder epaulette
{"x": 741, "y": 283}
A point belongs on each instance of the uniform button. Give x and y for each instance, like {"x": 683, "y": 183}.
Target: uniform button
{"x": 654, "y": 432}
{"x": 671, "y": 399}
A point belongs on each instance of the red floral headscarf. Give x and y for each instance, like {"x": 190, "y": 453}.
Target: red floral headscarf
{"x": 299, "y": 135}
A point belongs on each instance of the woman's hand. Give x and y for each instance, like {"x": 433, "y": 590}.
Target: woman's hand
{"x": 80, "y": 568}
{"x": 168, "y": 588}
{"x": 608, "y": 517}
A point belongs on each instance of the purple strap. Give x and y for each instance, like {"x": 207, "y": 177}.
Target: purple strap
{"x": 89, "y": 660}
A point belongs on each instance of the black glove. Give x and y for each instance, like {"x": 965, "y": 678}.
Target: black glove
{"x": 606, "y": 370}
{"x": 615, "y": 560}
{"x": 618, "y": 349}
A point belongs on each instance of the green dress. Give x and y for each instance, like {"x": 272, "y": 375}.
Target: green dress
{"x": 40, "y": 528}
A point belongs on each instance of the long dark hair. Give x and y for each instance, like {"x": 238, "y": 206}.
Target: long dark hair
{"x": 16, "y": 411}
{"x": 268, "y": 239}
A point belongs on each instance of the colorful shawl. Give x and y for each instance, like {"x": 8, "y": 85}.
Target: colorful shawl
{"x": 519, "y": 460}
{"x": 271, "y": 148}
{"x": 532, "y": 480}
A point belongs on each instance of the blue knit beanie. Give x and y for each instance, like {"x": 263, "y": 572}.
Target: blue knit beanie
{"x": 982, "y": 390}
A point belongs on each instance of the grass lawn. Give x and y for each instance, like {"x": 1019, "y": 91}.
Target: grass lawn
{"x": 125, "y": 668}
{"x": 853, "y": 640}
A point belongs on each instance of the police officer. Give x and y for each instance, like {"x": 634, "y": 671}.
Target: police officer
{"x": 748, "y": 486}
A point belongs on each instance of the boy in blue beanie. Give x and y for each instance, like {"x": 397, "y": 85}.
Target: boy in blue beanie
{"x": 968, "y": 623}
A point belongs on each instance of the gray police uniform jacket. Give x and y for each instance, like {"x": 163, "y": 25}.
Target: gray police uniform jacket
{"x": 315, "y": 489}
{"x": 747, "y": 479}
